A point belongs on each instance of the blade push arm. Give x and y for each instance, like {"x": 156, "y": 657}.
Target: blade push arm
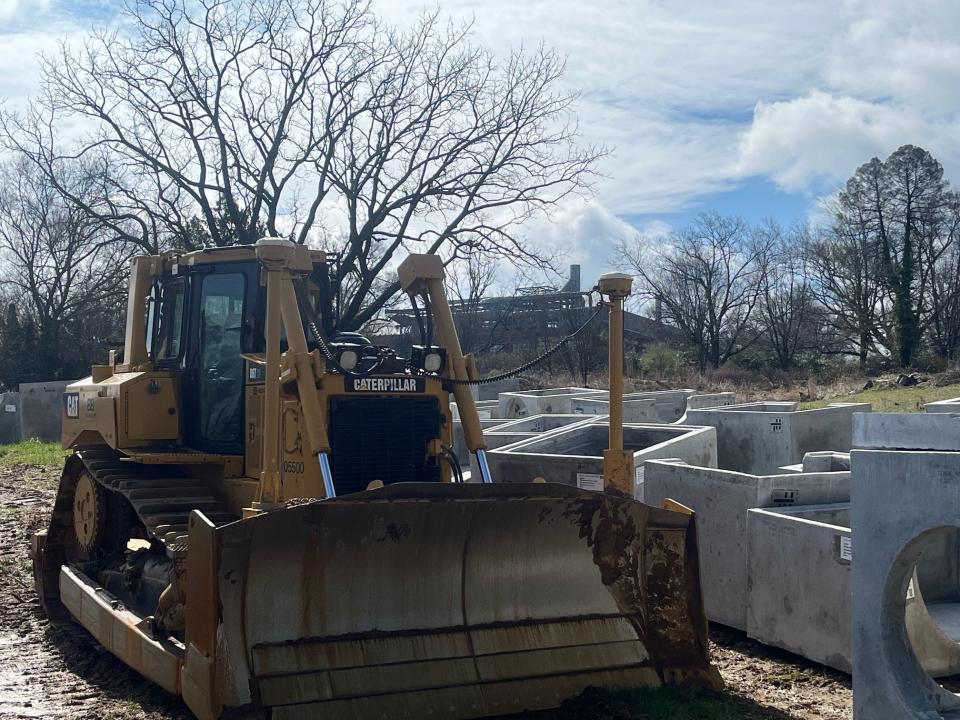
{"x": 282, "y": 260}
{"x": 424, "y": 273}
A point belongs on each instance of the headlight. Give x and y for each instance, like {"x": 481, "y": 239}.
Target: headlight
{"x": 348, "y": 359}
{"x": 432, "y": 362}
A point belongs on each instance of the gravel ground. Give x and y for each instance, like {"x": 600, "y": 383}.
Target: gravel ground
{"x": 60, "y": 672}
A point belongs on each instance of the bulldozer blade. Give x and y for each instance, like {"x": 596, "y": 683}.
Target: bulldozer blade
{"x": 455, "y": 601}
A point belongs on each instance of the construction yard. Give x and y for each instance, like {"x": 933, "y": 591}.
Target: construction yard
{"x": 61, "y": 672}
{"x": 49, "y": 671}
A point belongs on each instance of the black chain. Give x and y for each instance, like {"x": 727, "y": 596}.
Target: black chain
{"x": 533, "y": 363}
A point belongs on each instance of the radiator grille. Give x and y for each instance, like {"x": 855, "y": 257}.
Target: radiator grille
{"x": 382, "y": 439}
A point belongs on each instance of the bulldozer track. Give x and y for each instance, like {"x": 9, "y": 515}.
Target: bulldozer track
{"x": 162, "y": 497}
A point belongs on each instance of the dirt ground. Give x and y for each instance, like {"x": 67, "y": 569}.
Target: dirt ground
{"x": 60, "y": 672}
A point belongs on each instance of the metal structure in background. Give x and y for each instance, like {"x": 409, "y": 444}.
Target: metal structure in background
{"x": 228, "y": 459}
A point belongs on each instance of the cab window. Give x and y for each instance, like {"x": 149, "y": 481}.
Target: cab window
{"x": 221, "y": 365}
{"x": 171, "y": 321}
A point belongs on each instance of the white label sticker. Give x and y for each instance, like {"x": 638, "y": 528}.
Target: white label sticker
{"x": 846, "y": 548}
{"x": 9, "y": 408}
{"x": 639, "y": 479}
{"x": 911, "y": 591}
{"x": 589, "y": 481}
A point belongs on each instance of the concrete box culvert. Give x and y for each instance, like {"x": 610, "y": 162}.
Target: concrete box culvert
{"x": 635, "y": 410}
{"x": 574, "y": 455}
{"x": 904, "y": 505}
{"x": 907, "y": 431}
{"x": 950, "y": 405}
{"x": 799, "y": 581}
{"x": 460, "y": 442}
{"x": 515, "y": 431}
{"x": 514, "y": 405}
{"x": 486, "y": 409}
{"x": 760, "y": 438}
{"x": 799, "y": 589}
{"x": 491, "y": 391}
{"x": 721, "y": 499}
{"x": 9, "y": 418}
{"x": 41, "y": 410}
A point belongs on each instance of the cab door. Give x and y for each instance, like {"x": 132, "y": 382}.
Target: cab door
{"x": 213, "y": 387}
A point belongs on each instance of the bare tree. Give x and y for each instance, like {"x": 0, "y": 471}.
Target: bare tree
{"x": 313, "y": 120}
{"x": 707, "y": 278}
{"x": 479, "y": 318}
{"x": 846, "y": 275}
{"x": 65, "y": 269}
{"x": 943, "y": 281}
{"x": 789, "y": 314}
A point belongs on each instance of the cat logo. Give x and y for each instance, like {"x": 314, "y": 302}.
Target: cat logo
{"x": 71, "y": 404}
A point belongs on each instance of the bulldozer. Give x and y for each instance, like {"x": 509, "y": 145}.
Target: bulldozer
{"x": 262, "y": 513}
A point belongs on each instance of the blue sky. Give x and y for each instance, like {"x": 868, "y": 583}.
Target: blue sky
{"x": 748, "y": 107}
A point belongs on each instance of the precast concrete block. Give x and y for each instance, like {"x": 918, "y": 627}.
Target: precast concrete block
{"x": 491, "y": 391}
{"x": 711, "y": 400}
{"x": 635, "y": 410}
{"x": 546, "y": 401}
{"x": 707, "y": 400}
{"x": 798, "y": 581}
{"x": 826, "y": 461}
{"x": 9, "y": 418}
{"x": 574, "y": 455}
{"x": 460, "y": 442}
{"x": 668, "y": 405}
{"x": 907, "y": 431}
{"x": 905, "y": 508}
{"x": 721, "y": 499}
{"x": 513, "y": 431}
{"x": 41, "y": 410}
{"x": 486, "y": 409}
{"x": 759, "y": 438}
{"x": 951, "y": 405}
{"x": 799, "y": 590}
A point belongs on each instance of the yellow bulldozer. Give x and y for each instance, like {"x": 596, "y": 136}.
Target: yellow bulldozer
{"x": 261, "y": 513}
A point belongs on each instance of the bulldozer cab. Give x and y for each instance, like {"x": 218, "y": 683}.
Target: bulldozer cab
{"x": 206, "y": 325}
{"x": 202, "y": 323}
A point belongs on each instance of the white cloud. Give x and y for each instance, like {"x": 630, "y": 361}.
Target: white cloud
{"x": 22, "y": 10}
{"x": 693, "y": 97}
{"x": 824, "y": 137}
{"x": 698, "y": 95}
{"x": 20, "y": 59}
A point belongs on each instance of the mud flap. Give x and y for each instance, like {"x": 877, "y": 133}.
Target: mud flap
{"x": 456, "y": 601}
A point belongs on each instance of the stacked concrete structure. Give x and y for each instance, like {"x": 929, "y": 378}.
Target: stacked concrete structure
{"x": 760, "y": 438}
{"x": 951, "y": 405}
{"x": 574, "y": 455}
{"x": 41, "y": 410}
{"x": 722, "y": 500}
{"x": 798, "y": 581}
{"x": 9, "y": 418}
{"x": 548, "y": 401}
{"x": 905, "y": 493}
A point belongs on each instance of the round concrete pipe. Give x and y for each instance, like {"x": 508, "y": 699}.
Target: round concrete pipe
{"x": 913, "y": 682}
{"x": 937, "y": 651}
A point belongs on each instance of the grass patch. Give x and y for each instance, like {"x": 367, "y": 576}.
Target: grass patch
{"x": 32, "y": 452}
{"x": 677, "y": 703}
{"x": 894, "y": 399}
